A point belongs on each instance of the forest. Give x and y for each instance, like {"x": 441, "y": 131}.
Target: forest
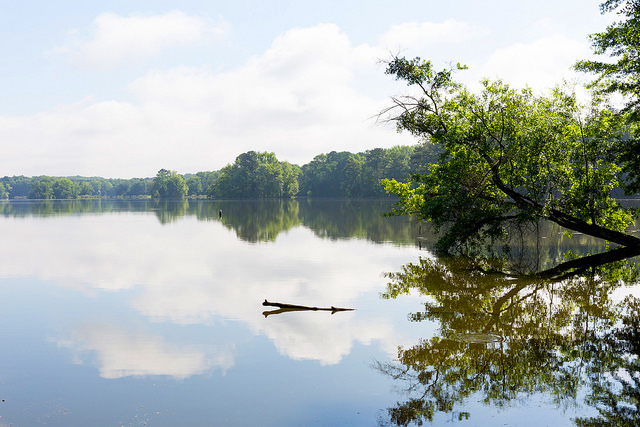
{"x": 253, "y": 175}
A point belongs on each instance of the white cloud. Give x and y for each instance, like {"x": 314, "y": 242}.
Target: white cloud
{"x": 312, "y": 91}
{"x": 419, "y": 36}
{"x": 297, "y": 99}
{"x": 116, "y": 39}
{"x": 539, "y": 64}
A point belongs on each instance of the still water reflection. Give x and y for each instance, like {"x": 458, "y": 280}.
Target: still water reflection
{"x": 558, "y": 332}
{"x": 133, "y": 312}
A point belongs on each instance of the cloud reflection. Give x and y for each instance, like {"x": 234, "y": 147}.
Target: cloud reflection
{"x": 120, "y": 353}
{"x": 324, "y": 337}
{"x": 198, "y": 273}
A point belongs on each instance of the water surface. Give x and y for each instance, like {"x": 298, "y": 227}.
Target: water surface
{"x": 134, "y": 312}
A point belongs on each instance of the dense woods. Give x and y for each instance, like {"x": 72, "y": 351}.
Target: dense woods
{"x": 252, "y": 175}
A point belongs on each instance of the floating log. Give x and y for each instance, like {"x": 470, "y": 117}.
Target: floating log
{"x": 292, "y": 307}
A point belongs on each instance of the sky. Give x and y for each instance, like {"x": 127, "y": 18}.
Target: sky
{"x": 122, "y": 89}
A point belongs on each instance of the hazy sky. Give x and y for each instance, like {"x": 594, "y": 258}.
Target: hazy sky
{"x": 125, "y": 88}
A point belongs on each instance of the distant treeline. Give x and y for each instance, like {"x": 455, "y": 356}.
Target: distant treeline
{"x": 252, "y": 175}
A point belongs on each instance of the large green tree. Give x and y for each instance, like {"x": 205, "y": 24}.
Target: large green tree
{"x": 508, "y": 156}
{"x": 256, "y": 175}
{"x": 41, "y": 188}
{"x": 169, "y": 184}
{"x": 64, "y": 188}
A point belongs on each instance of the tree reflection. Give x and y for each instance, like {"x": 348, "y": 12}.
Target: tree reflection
{"x": 504, "y": 336}
{"x": 169, "y": 211}
{"x": 253, "y": 221}
{"x": 616, "y": 394}
{"x": 348, "y": 218}
{"x": 260, "y": 220}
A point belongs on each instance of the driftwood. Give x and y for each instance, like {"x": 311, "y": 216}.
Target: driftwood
{"x": 283, "y": 308}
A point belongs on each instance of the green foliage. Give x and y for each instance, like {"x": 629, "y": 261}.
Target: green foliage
{"x": 17, "y": 186}
{"x": 347, "y": 174}
{"x": 4, "y": 194}
{"x": 252, "y": 175}
{"x": 508, "y": 156}
{"x": 423, "y": 156}
{"x": 85, "y": 189}
{"x": 41, "y": 188}
{"x": 72, "y": 187}
{"x": 620, "y": 40}
{"x": 137, "y": 187}
{"x": 169, "y": 185}
{"x": 195, "y": 185}
{"x": 256, "y": 175}
{"x": 64, "y": 188}
{"x": 102, "y": 187}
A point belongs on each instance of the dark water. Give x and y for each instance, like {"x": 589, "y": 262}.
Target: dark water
{"x": 147, "y": 313}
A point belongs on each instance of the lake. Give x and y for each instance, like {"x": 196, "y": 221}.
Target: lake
{"x": 127, "y": 313}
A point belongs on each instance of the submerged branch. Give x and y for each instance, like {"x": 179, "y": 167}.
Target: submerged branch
{"x": 565, "y": 220}
{"x": 283, "y": 308}
{"x": 577, "y": 266}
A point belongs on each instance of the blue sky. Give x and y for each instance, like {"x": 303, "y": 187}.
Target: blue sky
{"x": 125, "y": 88}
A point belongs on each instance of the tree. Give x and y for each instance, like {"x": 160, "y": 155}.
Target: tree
{"x": 64, "y": 188}
{"x": 41, "y": 188}
{"x": 102, "y": 187}
{"x": 269, "y": 180}
{"x": 17, "y": 186}
{"x": 169, "y": 184}
{"x": 621, "y": 40}
{"x": 121, "y": 187}
{"x": 3, "y": 192}
{"x": 508, "y": 157}
{"x": 224, "y": 185}
{"x": 290, "y": 174}
{"x": 207, "y": 179}
{"x": 137, "y": 187}
{"x": 245, "y": 166}
{"x": 352, "y": 186}
{"x": 195, "y": 185}
{"x": 85, "y": 189}
{"x": 423, "y": 156}
{"x": 256, "y": 175}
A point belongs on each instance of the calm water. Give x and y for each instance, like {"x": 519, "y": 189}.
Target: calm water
{"x": 146, "y": 313}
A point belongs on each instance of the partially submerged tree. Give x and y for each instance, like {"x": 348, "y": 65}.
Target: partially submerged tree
{"x": 508, "y": 156}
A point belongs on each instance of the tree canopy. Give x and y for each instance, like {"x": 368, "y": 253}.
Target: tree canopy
{"x": 620, "y": 40}
{"x": 169, "y": 184}
{"x": 507, "y": 157}
{"x": 3, "y": 192}
{"x": 256, "y": 175}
